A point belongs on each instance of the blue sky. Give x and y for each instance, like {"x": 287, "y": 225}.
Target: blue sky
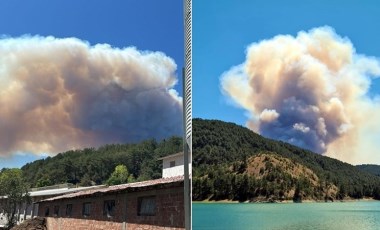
{"x": 147, "y": 25}
{"x": 223, "y": 29}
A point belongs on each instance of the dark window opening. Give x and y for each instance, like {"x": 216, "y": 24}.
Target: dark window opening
{"x": 56, "y": 210}
{"x": 47, "y": 211}
{"x": 109, "y": 208}
{"x": 69, "y": 209}
{"x": 146, "y": 206}
{"x": 86, "y": 209}
{"x": 172, "y": 164}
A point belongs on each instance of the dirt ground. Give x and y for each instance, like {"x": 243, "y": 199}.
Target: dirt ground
{"x": 37, "y": 223}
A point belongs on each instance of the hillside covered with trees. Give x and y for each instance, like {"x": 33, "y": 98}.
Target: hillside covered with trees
{"x": 94, "y": 166}
{"x": 232, "y": 162}
{"x": 373, "y": 169}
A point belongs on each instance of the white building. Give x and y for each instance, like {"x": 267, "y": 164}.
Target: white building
{"x": 173, "y": 165}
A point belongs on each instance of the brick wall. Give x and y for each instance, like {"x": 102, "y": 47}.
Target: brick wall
{"x": 169, "y": 212}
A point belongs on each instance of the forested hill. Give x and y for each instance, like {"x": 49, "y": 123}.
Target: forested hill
{"x": 373, "y": 169}
{"x": 94, "y": 166}
{"x": 232, "y": 162}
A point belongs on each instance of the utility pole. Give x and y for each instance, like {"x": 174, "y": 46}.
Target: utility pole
{"x": 187, "y": 122}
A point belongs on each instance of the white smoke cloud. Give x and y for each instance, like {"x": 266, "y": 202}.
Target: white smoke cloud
{"x": 301, "y": 127}
{"x": 269, "y": 115}
{"x": 59, "y": 94}
{"x": 317, "y": 87}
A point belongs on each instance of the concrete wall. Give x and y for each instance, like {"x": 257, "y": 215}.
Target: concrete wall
{"x": 169, "y": 212}
{"x": 3, "y": 220}
{"x": 177, "y": 170}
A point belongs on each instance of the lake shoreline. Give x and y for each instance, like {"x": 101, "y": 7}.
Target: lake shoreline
{"x": 281, "y": 202}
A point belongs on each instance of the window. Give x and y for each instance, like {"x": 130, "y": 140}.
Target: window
{"x": 47, "y": 211}
{"x": 86, "y": 209}
{"x": 56, "y": 210}
{"x": 172, "y": 164}
{"x": 146, "y": 206}
{"x": 69, "y": 209}
{"x": 109, "y": 208}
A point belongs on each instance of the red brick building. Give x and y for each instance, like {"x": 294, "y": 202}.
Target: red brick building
{"x": 153, "y": 204}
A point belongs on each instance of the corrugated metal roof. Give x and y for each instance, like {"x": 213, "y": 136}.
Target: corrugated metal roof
{"x": 60, "y": 191}
{"x": 170, "y": 156}
{"x": 121, "y": 187}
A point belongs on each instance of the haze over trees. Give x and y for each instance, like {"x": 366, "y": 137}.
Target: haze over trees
{"x": 232, "y": 162}
{"x": 373, "y": 169}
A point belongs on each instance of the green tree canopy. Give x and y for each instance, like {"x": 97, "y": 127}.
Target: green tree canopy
{"x": 119, "y": 176}
{"x": 13, "y": 186}
{"x": 92, "y": 166}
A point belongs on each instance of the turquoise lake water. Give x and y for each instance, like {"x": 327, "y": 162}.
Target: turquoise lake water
{"x": 360, "y": 215}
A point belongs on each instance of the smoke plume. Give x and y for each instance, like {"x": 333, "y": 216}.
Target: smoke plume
{"x": 311, "y": 90}
{"x": 60, "y": 94}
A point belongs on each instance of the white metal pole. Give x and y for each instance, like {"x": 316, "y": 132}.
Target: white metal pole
{"x": 187, "y": 144}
